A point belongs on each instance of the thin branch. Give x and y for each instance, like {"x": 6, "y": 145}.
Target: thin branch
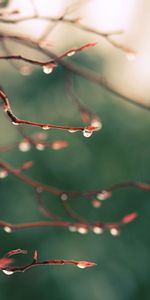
{"x": 9, "y": 270}
{"x": 87, "y": 131}
{"x": 79, "y": 70}
{"x": 49, "y": 63}
{"x": 82, "y": 227}
{"x": 102, "y": 194}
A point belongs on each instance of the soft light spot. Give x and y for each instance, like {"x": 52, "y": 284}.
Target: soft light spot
{"x": 40, "y": 147}
{"x": 7, "y": 229}
{"x": 103, "y": 195}
{"x": 96, "y": 203}
{"x": 72, "y": 228}
{"x": 3, "y": 173}
{"x": 64, "y": 197}
{"x": 24, "y": 146}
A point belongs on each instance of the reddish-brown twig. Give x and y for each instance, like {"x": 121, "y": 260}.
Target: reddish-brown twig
{"x": 87, "y": 131}
{"x": 9, "y": 270}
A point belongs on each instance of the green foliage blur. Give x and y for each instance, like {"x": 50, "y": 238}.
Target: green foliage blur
{"x": 119, "y": 152}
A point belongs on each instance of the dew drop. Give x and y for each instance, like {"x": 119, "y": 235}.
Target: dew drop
{"x": 45, "y": 127}
{"x": 72, "y": 228}
{"x": 87, "y": 133}
{"x": 72, "y": 130}
{"x": 47, "y": 69}
{"x": 40, "y": 147}
{"x": 7, "y": 229}
{"x": 24, "y": 146}
{"x": 98, "y": 230}
{"x": 3, "y": 173}
{"x": 114, "y": 231}
{"x": 64, "y": 197}
{"x": 103, "y": 195}
{"x": 81, "y": 265}
{"x": 71, "y": 53}
{"x": 15, "y": 123}
{"x": 7, "y": 272}
{"x": 82, "y": 230}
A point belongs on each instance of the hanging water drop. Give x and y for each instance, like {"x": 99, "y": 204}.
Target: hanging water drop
{"x": 7, "y": 272}
{"x": 45, "y": 127}
{"x": 40, "y": 147}
{"x": 15, "y": 123}
{"x": 71, "y": 53}
{"x": 82, "y": 230}
{"x": 98, "y": 230}
{"x": 114, "y": 231}
{"x": 47, "y": 69}
{"x": 72, "y": 130}
{"x": 72, "y": 228}
{"x": 7, "y": 229}
{"x": 87, "y": 133}
{"x": 64, "y": 197}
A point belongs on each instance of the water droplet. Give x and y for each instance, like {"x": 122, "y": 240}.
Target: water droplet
{"x": 7, "y": 272}
{"x": 71, "y": 53}
{"x": 15, "y": 123}
{"x": 47, "y": 69}
{"x": 103, "y": 195}
{"x": 72, "y": 130}
{"x": 45, "y": 127}
{"x": 82, "y": 230}
{"x": 64, "y": 197}
{"x": 96, "y": 203}
{"x": 98, "y": 229}
{"x": 114, "y": 231}
{"x": 81, "y": 265}
{"x": 3, "y": 173}
{"x": 24, "y": 146}
{"x": 7, "y": 229}
{"x": 40, "y": 147}
{"x": 72, "y": 228}
{"x": 87, "y": 133}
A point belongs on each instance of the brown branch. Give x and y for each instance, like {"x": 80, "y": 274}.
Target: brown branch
{"x": 79, "y": 70}
{"x": 100, "y": 193}
{"x": 76, "y": 23}
{"x": 49, "y": 63}
{"x": 9, "y": 270}
{"x": 87, "y": 131}
{"x": 82, "y": 227}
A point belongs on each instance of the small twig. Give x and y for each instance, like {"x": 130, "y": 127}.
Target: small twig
{"x": 9, "y": 270}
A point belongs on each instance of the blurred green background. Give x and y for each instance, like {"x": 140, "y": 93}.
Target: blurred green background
{"x": 119, "y": 152}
